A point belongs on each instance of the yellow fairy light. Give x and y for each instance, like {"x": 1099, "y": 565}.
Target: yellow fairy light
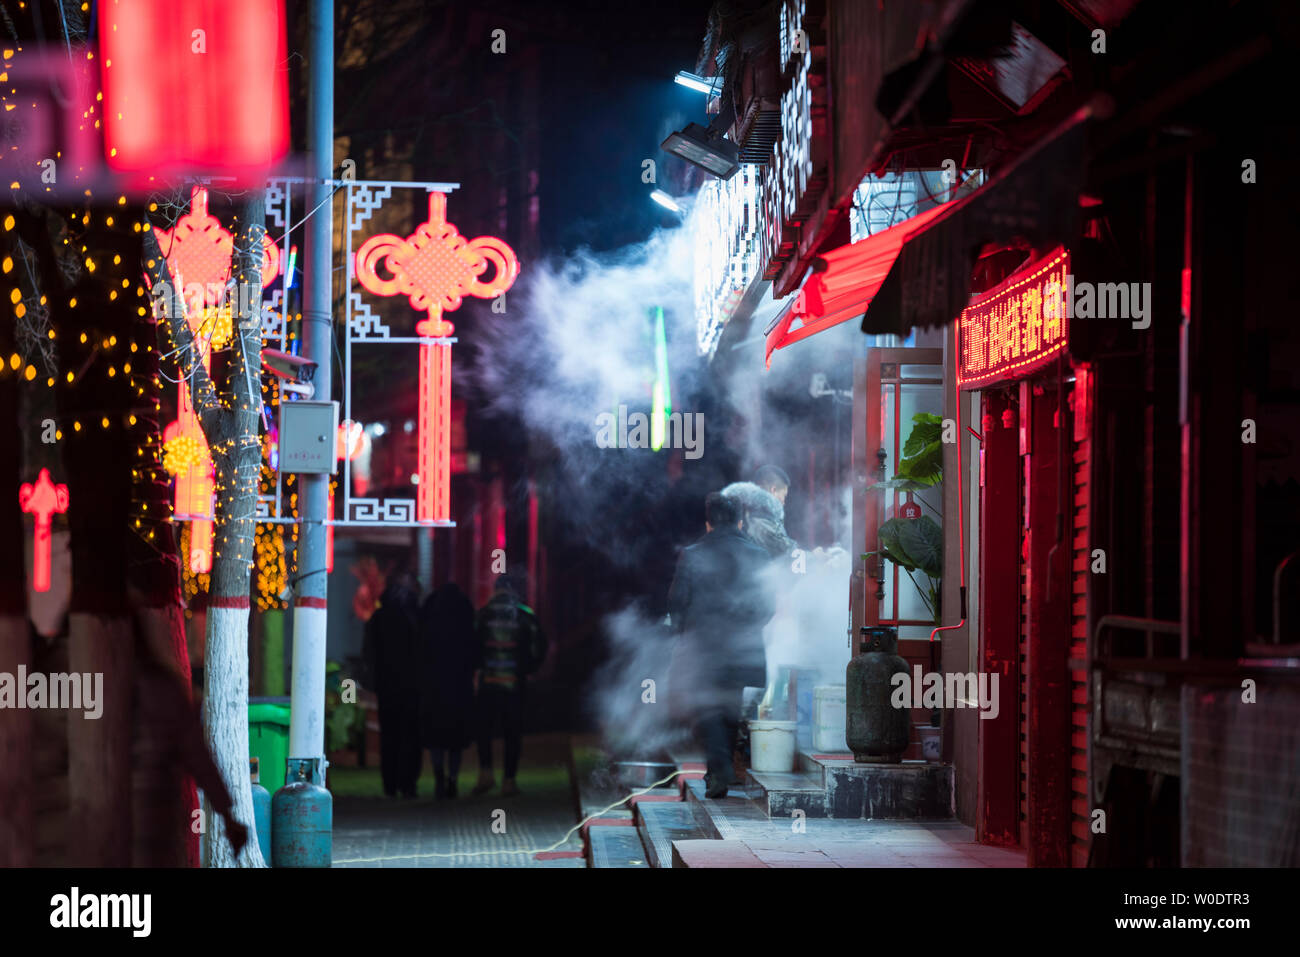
{"x": 8, "y": 264}
{"x": 15, "y": 361}
{"x": 15, "y": 295}
{"x": 30, "y": 373}
{"x": 182, "y": 453}
{"x": 76, "y": 426}
{"x": 70, "y": 376}
{"x": 103, "y": 423}
{"x": 83, "y": 335}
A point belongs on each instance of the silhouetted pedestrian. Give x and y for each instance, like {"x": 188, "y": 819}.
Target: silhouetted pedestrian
{"x": 511, "y": 647}
{"x": 719, "y": 604}
{"x": 390, "y": 649}
{"x": 449, "y": 646}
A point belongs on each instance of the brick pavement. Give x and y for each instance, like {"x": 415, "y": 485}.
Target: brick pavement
{"x": 381, "y": 832}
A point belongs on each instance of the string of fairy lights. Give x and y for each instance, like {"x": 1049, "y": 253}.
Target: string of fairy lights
{"x": 157, "y": 461}
{"x": 241, "y": 463}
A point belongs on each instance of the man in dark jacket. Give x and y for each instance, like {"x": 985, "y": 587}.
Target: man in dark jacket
{"x": 719, "y": 604}
{"x": 511, "y": 647}
{"x": 391, "y": 652}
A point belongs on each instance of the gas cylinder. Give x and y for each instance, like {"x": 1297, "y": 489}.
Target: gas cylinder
{"x": 261, "y": 811}
{"x": 876, "y": 731}
{"x": 302, "y": 817}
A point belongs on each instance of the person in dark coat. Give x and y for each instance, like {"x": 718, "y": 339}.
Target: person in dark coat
{"x": 718, "y": 604}
{"x": 390, "y": 649}
{"x": 449, "y": 648}
{"x": 512, "y": 646}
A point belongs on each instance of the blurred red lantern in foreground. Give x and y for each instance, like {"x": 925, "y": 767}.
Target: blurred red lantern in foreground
{"x": 192, "y": 85}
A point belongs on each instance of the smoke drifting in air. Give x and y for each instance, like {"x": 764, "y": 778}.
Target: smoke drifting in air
{"x": 577, "y": 341}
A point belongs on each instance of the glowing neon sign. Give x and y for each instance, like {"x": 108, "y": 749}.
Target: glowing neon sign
{"x": 1016, "y": 327}
{"x": 435, "y": 268}
{"x": 42, "y": 501}
{"x": 198, "y": 251}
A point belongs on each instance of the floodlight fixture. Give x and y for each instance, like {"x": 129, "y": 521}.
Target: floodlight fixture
{"x": 664, "y": 200}
{"x": 705, "y": 148}
{"x": 712, "y": 85}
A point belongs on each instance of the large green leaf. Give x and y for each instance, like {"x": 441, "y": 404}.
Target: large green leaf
{"x": 921, "y": 540}
{"x": 926, "y": 428}
{"x": 891, "y": 543}
{"x": 924, "y": 468}
{"x": 904, "y": 484}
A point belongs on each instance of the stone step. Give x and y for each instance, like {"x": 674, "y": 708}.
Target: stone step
{"x": 707, "y": 853}
{"x": 716, "y": 816}
{"x": 783, "y": 793}
{"x": 910, "y": 790}
{"x": 615, "y": 847}
{"x": 660, "y": 823}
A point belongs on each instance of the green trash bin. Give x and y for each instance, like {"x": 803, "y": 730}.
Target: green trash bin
{"x": 268, "y": 741}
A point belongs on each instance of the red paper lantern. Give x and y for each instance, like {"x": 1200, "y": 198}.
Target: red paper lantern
{"x": 194, "y": 86}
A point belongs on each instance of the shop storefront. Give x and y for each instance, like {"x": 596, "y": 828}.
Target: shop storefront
{"x": 1033, "y": 560}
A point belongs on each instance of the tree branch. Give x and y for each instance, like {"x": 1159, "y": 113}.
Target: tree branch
{"x": 203, "y": 395}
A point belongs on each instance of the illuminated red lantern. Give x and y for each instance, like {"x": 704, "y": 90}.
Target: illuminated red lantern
{"x": 352, "y": 440}
{"x": 193, "y": 85}
{"x": 42, "y": 501}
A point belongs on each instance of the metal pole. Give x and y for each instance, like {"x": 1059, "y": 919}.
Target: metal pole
{"x": 307, "y": 718}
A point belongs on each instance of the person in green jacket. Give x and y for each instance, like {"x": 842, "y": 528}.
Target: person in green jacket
{"x": 511, "y": 647}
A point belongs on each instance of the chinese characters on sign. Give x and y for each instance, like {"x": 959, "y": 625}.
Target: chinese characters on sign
{"x": 1016, "y": 327}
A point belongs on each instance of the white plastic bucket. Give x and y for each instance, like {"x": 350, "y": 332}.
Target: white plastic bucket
{"x": 771, "y": 745}
{"x": 828, "y": 719}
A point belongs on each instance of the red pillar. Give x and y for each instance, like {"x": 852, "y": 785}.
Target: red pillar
{"x": 1048, "y": 547}
{"x": 998, "y": 816}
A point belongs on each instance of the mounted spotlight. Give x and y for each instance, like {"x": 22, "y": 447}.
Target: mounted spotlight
{"x": 664, "y": 200}
{"x": 705, "y": 148}
{"x": 711, "y": 85}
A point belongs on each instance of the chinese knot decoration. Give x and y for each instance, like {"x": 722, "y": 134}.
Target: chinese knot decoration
{"x": 198, "y": 252}
{"x": 435, "y": 267}
{"x": 42, "y": 500}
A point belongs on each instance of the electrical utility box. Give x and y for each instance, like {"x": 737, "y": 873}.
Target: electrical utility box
{"x": 308, "y": 432}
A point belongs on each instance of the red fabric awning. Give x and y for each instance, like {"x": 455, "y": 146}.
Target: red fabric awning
{"x": 921, "y": 267}
{"x": 845, "y": 287}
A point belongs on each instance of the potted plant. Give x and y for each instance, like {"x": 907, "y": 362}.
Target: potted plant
{"x": 915, "y": 544}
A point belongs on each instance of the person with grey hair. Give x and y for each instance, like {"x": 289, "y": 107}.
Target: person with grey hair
{"x": 762, "y": 518}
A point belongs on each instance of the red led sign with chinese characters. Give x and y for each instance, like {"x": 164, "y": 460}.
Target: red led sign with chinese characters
{"x": 1017, "y": 327}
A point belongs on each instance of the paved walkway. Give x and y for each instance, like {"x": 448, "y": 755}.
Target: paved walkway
{"x": 469, "y": 831}
{"x": 749, "y": 839}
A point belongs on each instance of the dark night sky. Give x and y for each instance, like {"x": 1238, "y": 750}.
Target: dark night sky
{"x": 609, "y": 99}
